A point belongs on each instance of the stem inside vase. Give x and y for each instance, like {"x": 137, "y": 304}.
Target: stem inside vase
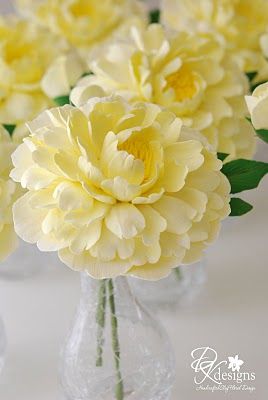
{"x": 100, "y": 318}
{"x": 177, "y": 272}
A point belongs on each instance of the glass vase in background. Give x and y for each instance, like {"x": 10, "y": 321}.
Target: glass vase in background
{"x": 3, "y": 344}
{"x": 181, "y": 287}
{"x": 25, "y": 262}
{"x": 115, "y": 350}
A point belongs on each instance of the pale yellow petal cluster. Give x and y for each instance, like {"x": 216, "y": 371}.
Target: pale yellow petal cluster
{"x": 258, "y": 106}
{"x": 190, "y": 74}
{"x": 85, "y": 23}
{"x": 63, "y": 74}
{"x": 25, "y": 54}
{"x": 8, "y": 194}
{"x": 242, "y": 26}
{"x": 118, "y": 188}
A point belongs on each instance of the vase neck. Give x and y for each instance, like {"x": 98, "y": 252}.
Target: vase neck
{"x": 90, "y": 286}
{"x": 92, "y": 289}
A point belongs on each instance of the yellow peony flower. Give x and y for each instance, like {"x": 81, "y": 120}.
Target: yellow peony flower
{"x": 118, "y": 189}
{"x": 240, "y": 24}
{"x": 84, "y": 23}
{"x": 188, "y": 74}
{"x": 258, "y": 106}
{"x": 25, "y": 54}
{"x": 8, "y": 193}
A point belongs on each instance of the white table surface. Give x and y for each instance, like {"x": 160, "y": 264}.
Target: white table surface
{"x": 230, "y": 315}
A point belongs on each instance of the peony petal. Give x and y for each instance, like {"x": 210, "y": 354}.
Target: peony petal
{"x": 174, "y": 176}
{"x": 36, "y": 178}
{"x": 84, "y": 217}
{"x": 154, "y": 225}
{"x": 109, "y": 247}
{"x": 71, "y": 196}
{"x": 28, "y": 220}
{"x": 22, "y": 160}
{"x": 120, "y": 163}
{"x": 177, "y": 213}
{"x": 196, "y": 199}
{"x": 145, "y": 254}
{"x": 125, "y": 221}
{"x": 87, "y": 237}
{"x": 52, "y": 221}
{"x": 81, "y": 94}
{"x": 186, "y": 153}
{"x": 156, "y": 271}
{"x": 95, "y": 268}
{"x": 120, "y": 189}
{"x": 195, "y": 253}
{"x": 62, "y": 74}
{"x": 174, "y": 245}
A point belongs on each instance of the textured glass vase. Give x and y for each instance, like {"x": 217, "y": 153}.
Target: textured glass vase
{"x": 115, "y": 350}
{"x": 3, "y": 344}
{"x": 179, "y": 288}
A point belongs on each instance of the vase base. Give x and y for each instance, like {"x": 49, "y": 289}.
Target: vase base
{"x": 127, "y": 396}
{"x": 115, "y": 349}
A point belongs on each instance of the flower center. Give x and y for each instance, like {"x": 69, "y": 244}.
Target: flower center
{"x": 81, "y": 8}
{"x": 139, "y": 150}
{"x": 16, "y": 50}
{"x": 183, "y": 83}
{"x": 255, "y": 12}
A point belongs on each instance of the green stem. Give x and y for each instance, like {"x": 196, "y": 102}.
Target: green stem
{"x": 119, "y": 388}
{"x": 177, "y": 271}
{"x": 100, "y": 319}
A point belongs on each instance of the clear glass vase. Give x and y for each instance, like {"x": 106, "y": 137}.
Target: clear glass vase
{"x": 179, "y": 288}
{"x": 115, "y": 350}
{"x": 3, "y": 344}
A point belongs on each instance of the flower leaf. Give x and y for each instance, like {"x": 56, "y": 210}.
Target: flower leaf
{"x": 154, "y": 16}
{"x": 9, "y": 128}
{"x": 62, "y": 100}
{"x": 255, "y": 85}
{"x": 222, "y": 156}
{"x": 244, "y": 174}
{"x": 263, "y": 134}
{"x": 251, "y": 75}
{"x": 239, "y": 207}
{"x": 86, "y": 74}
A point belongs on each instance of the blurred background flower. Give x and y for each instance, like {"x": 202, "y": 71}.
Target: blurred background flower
{"x": 9, "y": 192}
{"x": 240, "y": 24}
{"x": 190, "y": 74}
{"x": 85, "y": 24}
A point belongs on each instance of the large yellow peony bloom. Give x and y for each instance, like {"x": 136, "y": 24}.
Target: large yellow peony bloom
{"x": 241, "y": 24}
{"x": 84, "y": 23}
{"x": 25, "y": 54}
{"x": 8, "y": 193}
{"x": 258, "y": 106}
{"x": 118, "y": 189}
{"x": 188, "y": 74}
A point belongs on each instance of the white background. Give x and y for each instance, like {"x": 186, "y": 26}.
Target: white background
{"x": 230, "y": 315}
